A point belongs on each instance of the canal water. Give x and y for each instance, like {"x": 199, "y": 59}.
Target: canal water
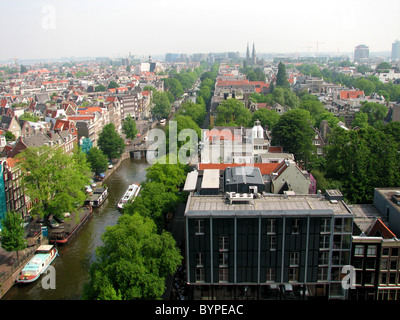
{"x": 72, "y": 266}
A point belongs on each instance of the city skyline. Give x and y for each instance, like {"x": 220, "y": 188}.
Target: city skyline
{"x": 54, "y": 29}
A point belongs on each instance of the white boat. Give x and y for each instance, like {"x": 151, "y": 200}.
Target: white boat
{"x": 130, "y": 194}
{"x": 44, "y": 256}
{"x": 162, "y": 121}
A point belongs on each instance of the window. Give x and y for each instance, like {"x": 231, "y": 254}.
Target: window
{"x": 325, "y": 225}
{"x": 199, "y": 259}
{"x": 293, "y": 274}
{"x": 223, "y": 243}
{"x": 294, "y": 259}
{"x": 323, "y": 257}
{"x": 200, "y": 275}
{"x": 322, "y": 274}
{"x": 295, "y": 226}
{"x": 272, "y": 243}
{"x": 393, "y": 264}
{"x": 270, "y": 275}
{"x": 359, "y": 250}
{"x": 271, "y": 226}
{"x": 371, "y": 251}
{"x": 223, "y": 259}
{"x": 385, "y": 251}
{"x": 384, "y": 264}
{"x": 223, "y": 275}
{"x": 324, "y": 242}
{"x": 199, "y": 227}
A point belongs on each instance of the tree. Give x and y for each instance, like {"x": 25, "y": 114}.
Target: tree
{"x": 294, "y": 133}
{"x": 100, "y": 88}
{"x": 281, "y": 77}
{"x": 268, "y": 118}
{"x": 361, "y": 161}
{"x": 12, "y": 233}
{"x": 162, "y": 105}
{"x": 232, "y": 112}
{"x": 129, "y": 127}
{"x": 376, "y": 113}
{"x": 55, "y": 179}
{"x": 195, "y": 110}
{"x": 133, "y": 262}
{"x": 155, "y": 202}
{"x": 110, "y": 142}
{"x": 97, "y": 160}
{"x": 113, "y": 85}
{"x": 174, "y": 86}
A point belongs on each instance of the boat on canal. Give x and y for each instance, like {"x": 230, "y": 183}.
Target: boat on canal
{"x": 44, "y": 256}
{"x": 66, "y": 230}
{"x": 97, "y": 198}
{"x": 129, "y": 195}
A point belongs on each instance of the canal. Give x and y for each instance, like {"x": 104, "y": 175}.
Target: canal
{"x": 72, "y": 266}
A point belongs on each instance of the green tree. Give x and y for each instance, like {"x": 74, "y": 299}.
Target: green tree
{"x": 55, "y": 179}
{"x": 174, "y": 86}
{"x": 232, "y": 112}
{"x": 113, "y": 85}
{"x": 315, "y": 108}
{"x": 110, "y": 142}
{"x": 97, "y": 160}
{"x": 376, "y": 113}
{"x": 133, "y": 262}
{"x": 294, "y": 133}
{"x": 100, "y": 88}
{"x": 161, "y": 105}
{"x": 281, "y": 77}
{"x": 361, "y": 161}
{"x": 155, "y": 202}
{"x": 268, "y": 118}
{"x": 195, "y": 110}
{"x": 129, "y": 127}
{"x": 12, "y": 233}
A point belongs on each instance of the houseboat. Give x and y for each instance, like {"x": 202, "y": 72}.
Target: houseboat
{"x": 44, "y": 256}
{"x": 97, "y": 198}
{"x": 70, "y": 226}
{"x": 130, "y": 195}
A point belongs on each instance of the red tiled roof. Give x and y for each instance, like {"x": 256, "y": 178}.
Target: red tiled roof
{"x": 383, "y": 230}
{"x": 351, "y": 94}
{"x": 275, "y": 149}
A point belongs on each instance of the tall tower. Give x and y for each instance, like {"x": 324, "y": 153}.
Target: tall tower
{"x": 254, "y": 57}
{"x": 396, "y": 50}
{"x": 248, "y": 51}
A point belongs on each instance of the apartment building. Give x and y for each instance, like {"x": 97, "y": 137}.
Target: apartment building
{"x": 256, "y": 245}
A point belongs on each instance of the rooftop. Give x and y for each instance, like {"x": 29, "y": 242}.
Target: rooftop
{"x": 267, "y": 204}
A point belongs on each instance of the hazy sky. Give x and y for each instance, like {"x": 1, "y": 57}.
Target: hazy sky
{"x": 65, "y": 28}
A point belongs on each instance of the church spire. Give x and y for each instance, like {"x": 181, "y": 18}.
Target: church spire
{"x": 248, "y": 51}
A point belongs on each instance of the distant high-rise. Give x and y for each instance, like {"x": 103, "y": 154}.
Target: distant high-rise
{"x": 361, "y": 53}
{"x": 396, "y": 50}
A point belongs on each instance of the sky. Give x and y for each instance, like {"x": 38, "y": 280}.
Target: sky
{"x": 40, "y": 29}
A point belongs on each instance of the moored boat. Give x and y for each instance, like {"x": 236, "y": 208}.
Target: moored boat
{"x": 44, "y": 256}
{"x": 99, "y": 195}
{"x": 129, "y": 195}
{"x": 67, "y": 229}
